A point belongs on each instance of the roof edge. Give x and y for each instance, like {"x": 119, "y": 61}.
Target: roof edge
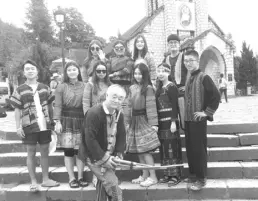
{"x": 216, "y": 25}
{"x": 144, "y": 23}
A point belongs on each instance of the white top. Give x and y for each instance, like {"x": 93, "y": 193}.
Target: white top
{"x": 41, "y": 118}
{"x": 223, "y": 83}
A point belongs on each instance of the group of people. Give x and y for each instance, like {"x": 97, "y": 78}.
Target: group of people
{"x": 119, "y": 106}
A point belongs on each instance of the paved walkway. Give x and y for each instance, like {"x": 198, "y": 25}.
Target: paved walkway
{"x": 237, "y": 110}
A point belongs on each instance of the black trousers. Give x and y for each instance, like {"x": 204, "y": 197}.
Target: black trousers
{"x": 223, "y": 90}
{"x": 196, "y": 147}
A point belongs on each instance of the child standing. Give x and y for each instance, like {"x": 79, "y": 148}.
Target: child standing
{"x": 169, "y": 136}
{"x": 143, "y": 121}
{"x": 32, "y": 103}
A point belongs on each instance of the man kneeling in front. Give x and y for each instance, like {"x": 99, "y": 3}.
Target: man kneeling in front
{"x": 103, "y": 139}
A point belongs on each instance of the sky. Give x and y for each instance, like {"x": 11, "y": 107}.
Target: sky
{"x": 237, "y": 17}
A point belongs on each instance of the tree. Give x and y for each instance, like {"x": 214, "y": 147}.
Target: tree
{"x": 247, "y": 67}
{"x": 112, "y": 39}
{"x": 12, "y": 41}
{"x": 76, "y": 29}
{"x": 39, "y": 22}
{"x": 42, "y": 54}
{"x": 237, "y": 62}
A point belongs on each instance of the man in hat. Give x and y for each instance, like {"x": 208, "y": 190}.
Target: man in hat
{"x": 178, "y": 72}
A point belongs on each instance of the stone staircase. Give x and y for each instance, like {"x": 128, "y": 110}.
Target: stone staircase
{"x": 232, "y": 171}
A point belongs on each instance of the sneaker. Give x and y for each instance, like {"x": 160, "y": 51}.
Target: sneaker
{"x": 138, "y": 180}
{"x": 148, "y": 182}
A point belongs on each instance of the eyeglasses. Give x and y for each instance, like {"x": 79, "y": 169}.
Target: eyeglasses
{"x": 95, "y": 48}
{"x": 189, "y": 61}
{"x": 101, "y": 71}
{"x": 121, "y": 48}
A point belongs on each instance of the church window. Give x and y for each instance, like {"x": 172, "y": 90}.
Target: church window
{"x": 230, "y": 77}
{"x": 192, "y": 33}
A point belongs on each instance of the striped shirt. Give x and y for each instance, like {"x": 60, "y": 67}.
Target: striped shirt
{"x": 23, "y": 99}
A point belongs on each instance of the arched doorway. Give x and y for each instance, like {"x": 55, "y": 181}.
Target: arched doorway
{"x": 212, "y": 63}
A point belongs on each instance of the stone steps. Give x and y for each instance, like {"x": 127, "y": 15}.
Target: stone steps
{"x": 9, "y": 132}
{"x": 217, "y": 189}
{"x": 247, "y": 153}
{"x": 214, "y": 140}
{"x": 216, "y": 170}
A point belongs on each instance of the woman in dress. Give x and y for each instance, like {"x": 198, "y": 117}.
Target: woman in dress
{"x": 68, "y": 116}
{"x": 169, "y": 136}
{"x": 95, "y": 54}
{"x": 95, "y": 90}
{"x": 143, "y": 121}
{"x": 141, "y": 55}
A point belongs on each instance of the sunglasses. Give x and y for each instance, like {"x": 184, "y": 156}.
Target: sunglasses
{"x": 95, "y": 48}
{"x": 119, "y": 48}
{"x": 101, "y": 71}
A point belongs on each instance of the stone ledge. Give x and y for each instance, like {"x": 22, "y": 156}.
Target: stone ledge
{"x": 216, "y": 170}
{"x": 218, "y": 189}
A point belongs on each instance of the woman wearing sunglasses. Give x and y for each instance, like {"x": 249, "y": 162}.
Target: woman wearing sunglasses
{"x": 95, "y": 91}
{"x": 95, "y": 54}
{"x": 121, "y": 66}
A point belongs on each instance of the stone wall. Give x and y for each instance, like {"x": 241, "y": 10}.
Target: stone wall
{"x": 155, "y": 36}
{"x": 201, "y": 10}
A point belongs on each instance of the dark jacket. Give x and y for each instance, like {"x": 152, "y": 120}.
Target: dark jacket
{"x": 94, "y": 136}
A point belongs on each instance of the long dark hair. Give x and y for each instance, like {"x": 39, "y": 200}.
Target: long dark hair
{"x": 136, "y": 51}
{"x": 145, "y": 77}
{"x": 160, "y": 83}
{"x": 95, "y": 79}
{"x": 90, "y": 56}
{"x": 66, "y": 79}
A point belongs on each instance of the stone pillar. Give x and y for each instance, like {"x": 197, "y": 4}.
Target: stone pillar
{"x": 201, "y": 12}
{"x": 170, "y": 17}
{"x": 229, "y": 57}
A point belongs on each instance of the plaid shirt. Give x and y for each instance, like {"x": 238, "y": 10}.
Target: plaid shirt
{"x": 23, "y": 99}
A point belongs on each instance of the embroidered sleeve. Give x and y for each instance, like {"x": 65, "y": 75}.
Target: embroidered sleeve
{"x": 172, "y": 92}
{"x": 51, "y": 96}
{"x": 151, "y": 64}
{"x": 213, "y": 95}
{"x": 128, "y": 109}
{"x": 58, "y": 101}
{"x": 151, "y": 108}
{"x": 128, "y": 68}
{"x": 87, "y": 97}
{"x": 15, "y": 100}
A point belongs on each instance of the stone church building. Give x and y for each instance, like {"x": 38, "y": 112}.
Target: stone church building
{"x": 191, "y": 21}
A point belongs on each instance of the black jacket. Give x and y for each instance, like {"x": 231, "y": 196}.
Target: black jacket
{"x": 94, "y": 136}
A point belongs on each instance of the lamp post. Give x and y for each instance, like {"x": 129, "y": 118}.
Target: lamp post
{"x": 59, "y": 15}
